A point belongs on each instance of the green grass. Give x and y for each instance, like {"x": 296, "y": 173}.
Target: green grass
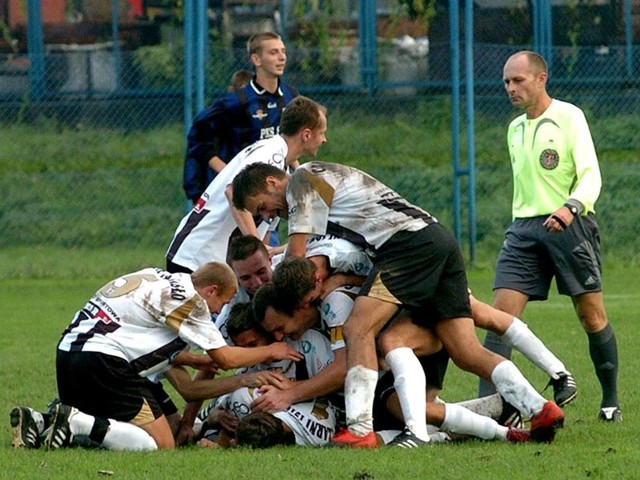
{"x": 80, "y": 206}
{"x": 34, "y": 312}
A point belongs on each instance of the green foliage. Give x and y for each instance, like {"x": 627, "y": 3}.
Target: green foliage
{"x": 161, "y": 65}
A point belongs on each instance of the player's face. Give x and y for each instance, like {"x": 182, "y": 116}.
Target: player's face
{"x": 268, "y": 205}
{"x": 322, "y": 266}
{"x": 253, "y": 272}
{"x": 315, "y": 138}
{"x": 272, "y": 59}
{"x": 524, "y": 86}
{"x": 250, "y": 338}
{"x": 281, "y": 325}
{"x": 219, "y": 299}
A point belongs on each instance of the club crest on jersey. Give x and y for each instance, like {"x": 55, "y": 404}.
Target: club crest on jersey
{"x": 259, "y": 114}
{"x": 549, "y": 159}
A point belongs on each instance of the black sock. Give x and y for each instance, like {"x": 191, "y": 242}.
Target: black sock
{"x": 99, "y": 430}
{"x": 604, "y": 355}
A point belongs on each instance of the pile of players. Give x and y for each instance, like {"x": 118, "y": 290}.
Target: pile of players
{"x": 345, "y": 341}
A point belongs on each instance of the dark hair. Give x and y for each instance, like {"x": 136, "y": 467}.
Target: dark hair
{"x": 300, "y": 113}
{"x": 241, "y": 319}
{"x": 252, "y": 180}
{"x": 295, "y": 277}
{"x": 262, "y": 430}
{"x": 239, "y": 79}
{"x": 243, "y": 246}
{"x": 267, "y": 296}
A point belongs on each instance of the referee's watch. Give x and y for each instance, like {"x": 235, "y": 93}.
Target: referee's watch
{"x": 572, "y": 208}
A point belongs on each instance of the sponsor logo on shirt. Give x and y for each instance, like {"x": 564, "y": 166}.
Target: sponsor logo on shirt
{"x": 260, "y": 114}
{"x": 272, "y": 105}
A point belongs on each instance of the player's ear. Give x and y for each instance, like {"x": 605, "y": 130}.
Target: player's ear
{"x": 212, "y": 290}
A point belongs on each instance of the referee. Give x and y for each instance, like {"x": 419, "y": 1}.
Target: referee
{"x": 554, "y": 231}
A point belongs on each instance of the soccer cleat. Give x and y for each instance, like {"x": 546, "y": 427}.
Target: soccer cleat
{"x": 564, "y": 388}
{"x": 518, "y": 435}
{"x": 406, "y": 439}
{"x": 510, "y": 416}
{"x": 60, "y": 432}
{"x": 545, "y": 423}
{"x": 610, "y": 414}
{"x": 344, "y": 438}
{"x": 24, "y": 429}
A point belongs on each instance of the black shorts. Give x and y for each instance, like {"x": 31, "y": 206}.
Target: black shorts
{"x": 423, "y": 271}
{"x": 531, "y": 256}
{"x": 435, "y": 368}
{"x": 106, "y": 386}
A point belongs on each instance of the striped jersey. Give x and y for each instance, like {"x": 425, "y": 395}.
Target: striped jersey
{"x": 233, "y": 122}
{"x": 145, "y": 318}
{"x": 328, "y": 198}
{"x": 203, "y": 234}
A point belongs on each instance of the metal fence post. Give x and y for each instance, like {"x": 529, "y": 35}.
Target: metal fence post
{"x": 35, "y": 46}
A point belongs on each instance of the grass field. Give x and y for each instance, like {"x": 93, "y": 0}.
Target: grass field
{"x": 81, "y": 206}
{"x": 35, "y": 310}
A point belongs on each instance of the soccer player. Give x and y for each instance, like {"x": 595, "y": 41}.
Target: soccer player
{"x": 554, "y": 232}
{"x": 280, "y": 312}
{"x": 418, "y": 265}
{"x": 128, "y": 330}
{"x": 246, "y": 332}
{"x": 203, "y": 234}
{"x": 251, "y": 111}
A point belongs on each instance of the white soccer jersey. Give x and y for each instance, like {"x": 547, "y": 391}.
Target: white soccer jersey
{"x": 344, "y": 201}
{"x": 203, "y": 234}
{"x": 313, "y": 423}
{"x": 343, "y": 255}
{"x": 144, "y": 318}
{"x": 317, "y": 351}
{"x": 334, "y": 311}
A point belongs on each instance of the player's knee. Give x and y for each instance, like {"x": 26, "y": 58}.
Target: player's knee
{"x": 388, "y": 341}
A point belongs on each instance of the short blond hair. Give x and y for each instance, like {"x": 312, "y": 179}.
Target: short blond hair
{"x": 254, "y": 44}
{"x": 215, "y": 273}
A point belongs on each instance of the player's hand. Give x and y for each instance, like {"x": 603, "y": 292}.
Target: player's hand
{"x": 184, "y": 435}
{"x": 223, "y": 418}
{"x": 284, "y": 351}
{"x": 271, "y": 400}
{"x": 267, "y": 377}
{"x": 276, "y": 250}
{"x": 559, "y": 220}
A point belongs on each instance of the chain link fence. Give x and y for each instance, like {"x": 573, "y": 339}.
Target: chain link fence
{"x": 92, "y": 148}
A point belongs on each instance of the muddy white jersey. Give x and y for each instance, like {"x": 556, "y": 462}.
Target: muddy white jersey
{"x": 317, "y": 351}
{"x": 342, "y": 255}
{"x": 145, "y": 318}
{"x": 203, "y": 234}
{"x": 313, "y": 423}
{"x": 348, "y": 203}
{"x": 334, "y": 311}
